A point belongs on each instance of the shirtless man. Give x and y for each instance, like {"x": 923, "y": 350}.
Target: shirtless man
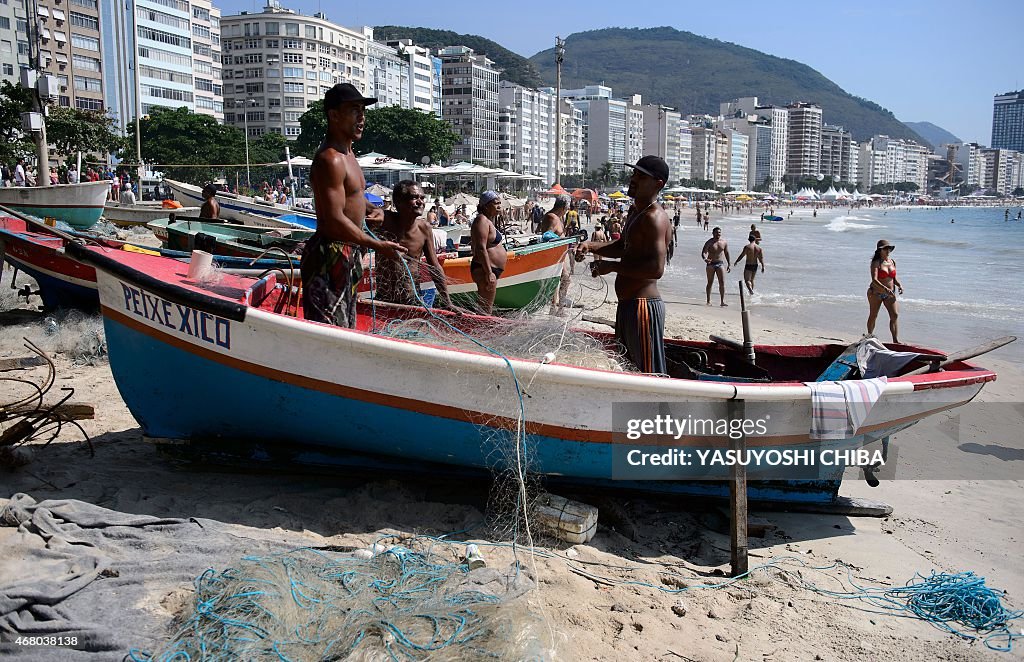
{"x": 640, "y": 317}
{"x": 714, "y": 249}
{"x": 406, "y": 226}
{"x": 754, "y": 254}
{"x": 554, "y": 221}
{"x": 332, "y": 260}
{"x": 210, "y": 208}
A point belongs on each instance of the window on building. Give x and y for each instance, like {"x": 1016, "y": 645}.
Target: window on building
{"x": 272, "y": 28}
{"x": 88, "y": 104}
{"x": 291, "y": 29}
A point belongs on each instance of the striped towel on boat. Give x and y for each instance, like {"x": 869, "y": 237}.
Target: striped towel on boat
{"x": 838, "y": 409}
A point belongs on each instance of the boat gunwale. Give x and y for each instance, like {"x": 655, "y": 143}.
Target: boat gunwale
{"x": 651, "y": 386}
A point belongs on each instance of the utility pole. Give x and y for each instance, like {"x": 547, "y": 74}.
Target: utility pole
{"x": 559, "y": 57}
{"x": 138, "y": 92}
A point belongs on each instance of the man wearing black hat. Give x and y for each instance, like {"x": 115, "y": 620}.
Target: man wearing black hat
{"x": 641, "y": 252}
{"x": 332, "y": 260}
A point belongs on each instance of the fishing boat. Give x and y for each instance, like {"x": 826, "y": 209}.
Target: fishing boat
{"x": 141, "y": 213}
{"x": 241, "y": 208}
{"x": 223, "y": 239}
{"x": 78, "y": 205}
{"x": 531, "y": 276}
{"x": 224, "y": 364}
{"x": 67, "y": 283}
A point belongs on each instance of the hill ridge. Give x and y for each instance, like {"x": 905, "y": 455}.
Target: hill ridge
{"x": 621, "y": 57}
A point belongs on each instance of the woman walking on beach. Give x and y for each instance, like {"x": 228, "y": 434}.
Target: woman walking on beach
{"x": 883, "y": 288}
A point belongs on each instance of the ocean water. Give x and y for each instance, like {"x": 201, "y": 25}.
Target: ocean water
{"x": 962, "y": 281}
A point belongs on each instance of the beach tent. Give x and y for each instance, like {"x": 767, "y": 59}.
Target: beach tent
{"x": 585, "y": 194}
{"x": 556, "y": 189}
{"x": 830, "y": 194}
{"x": 618, "y": 195}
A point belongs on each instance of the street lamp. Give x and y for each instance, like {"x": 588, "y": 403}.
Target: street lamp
{"x": 245, "y": 119}
{"x": 559, "y": 57}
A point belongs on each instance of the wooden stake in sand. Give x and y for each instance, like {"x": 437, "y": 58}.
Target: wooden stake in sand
{"x": 738, "y": 496}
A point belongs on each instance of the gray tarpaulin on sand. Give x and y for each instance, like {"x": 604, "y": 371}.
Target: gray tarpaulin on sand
{"x": 74, "y": 569}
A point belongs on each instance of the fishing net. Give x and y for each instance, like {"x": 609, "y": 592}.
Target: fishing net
{"x": 533, "y": 335}
{"x": 75, "y": 334}
{"x": 384, "y": 604}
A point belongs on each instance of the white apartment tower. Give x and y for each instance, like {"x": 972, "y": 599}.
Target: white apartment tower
{"x": 387, "y": 73}
{"x": 424, "y": 76}
{"x": 662, "y": 131}
{"x": 838, "y": 154}
{"x": 528, "y": 135}
{"x": 804, "y": 143}
{"x": 469, "y": 96}
{"x": 278, "y": 63}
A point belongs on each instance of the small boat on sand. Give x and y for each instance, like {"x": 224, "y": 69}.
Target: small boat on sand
{"x": 235, "y": 362}
{"x": 141, "y": 213}
{"x": 240, "y": 208}
{"x": 67, "y": 283}
{"x": 78, "y": 205}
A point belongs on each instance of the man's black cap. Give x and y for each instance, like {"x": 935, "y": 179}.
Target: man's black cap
{"x": 343, "y": 93}
{"x": 651, "y": 165}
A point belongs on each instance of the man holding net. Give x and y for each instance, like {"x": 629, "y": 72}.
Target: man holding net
{"x": 408, "y": 227}
{"x": 641, "y": 251}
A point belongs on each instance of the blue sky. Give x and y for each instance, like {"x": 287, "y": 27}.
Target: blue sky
{"x": 938, "y": 61}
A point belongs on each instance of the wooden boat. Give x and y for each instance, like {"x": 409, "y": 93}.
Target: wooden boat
{"x": 241, "y": 209}
{"x": 141, "y": 213}
{"x": 224, "y": 239}
{"x": 78, "y": 205}
{"x": 531, "y": 274}
{"x": 67, "y": 283}
{"x": 225, "y": 364}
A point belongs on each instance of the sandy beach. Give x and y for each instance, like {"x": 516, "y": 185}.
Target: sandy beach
{"x": 624, "y": 595}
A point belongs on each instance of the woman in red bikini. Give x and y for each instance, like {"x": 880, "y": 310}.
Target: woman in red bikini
{"x": 883, "y": 288}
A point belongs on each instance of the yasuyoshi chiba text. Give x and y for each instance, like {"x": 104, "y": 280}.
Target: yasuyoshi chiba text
{"x": 757, "y": 457}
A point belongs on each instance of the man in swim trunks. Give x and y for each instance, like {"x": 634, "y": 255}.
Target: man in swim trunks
{"x": 332, "y": 260}
{"x": 714, "y": 249}
{"x": 554, "y": 221}
{"x": 641, "y": 251}
{"x": 754, "y": 254}
{"x": 408, "y": 227}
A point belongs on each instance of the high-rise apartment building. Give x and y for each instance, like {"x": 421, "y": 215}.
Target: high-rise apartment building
{"x": 972, "y": 164}
{"x": 469, "y": 98}
{"x": 1008, "y": 121}
{"x": 838, "y": 154}
{"x": 737, "y": 155}
{"x": 885, "y": 160}
{"x": 804, "y": 141}
{"x": 528, "y": 130}
{"x": 61, "y": 39}
{"x": 387, "y": 73}
{"x": 606, "y": 123}
{"x": 278, "y": 63}
{"x": 9, "y": 56}
{"x": 685, "y": 150}
{"x": 662, "y": 130}
{"x": 634, "y": 130}
{"x": 759, "y": 146}
{"x": 424, "y": 76}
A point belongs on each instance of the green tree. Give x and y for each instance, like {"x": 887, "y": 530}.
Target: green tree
{"x": 182, "y": 144}
{"x": 402, "y": 133}
{"x": 70, "y": 130}
{"x": 1018, "y": 192}
{"x": 14, "y": 144}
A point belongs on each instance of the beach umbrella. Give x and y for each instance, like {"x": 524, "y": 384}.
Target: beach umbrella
{"x": 617, "y": 195}
{"x": 378, "y": 190}
{"x": 462, "y": 199}
{"x": 374, "y": 200}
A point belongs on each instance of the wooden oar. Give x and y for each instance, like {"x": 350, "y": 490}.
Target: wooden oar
{"x": 963, "y": 355}
{"x": 42, "y": 227}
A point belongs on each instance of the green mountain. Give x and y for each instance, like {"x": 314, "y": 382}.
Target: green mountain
{"x": 934, "y": 134}
{"x": 695, "y": 74}
{"x": 515, "y": 67}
